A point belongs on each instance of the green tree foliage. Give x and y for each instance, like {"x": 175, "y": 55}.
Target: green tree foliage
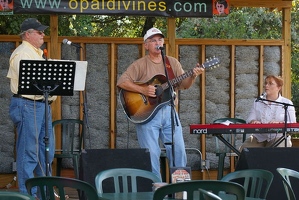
{"x": 101, "y": 25}
{"x": 10, "y": 24}
{"x": 243, "y": 23}
{"x": 111, "y": 26}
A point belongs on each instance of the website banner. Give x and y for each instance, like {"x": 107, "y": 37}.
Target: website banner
{"x": 167, "y": 8}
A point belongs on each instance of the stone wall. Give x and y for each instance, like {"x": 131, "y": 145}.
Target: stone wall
{"x": 217, "y": 91}
{"x": 7, "y": 135}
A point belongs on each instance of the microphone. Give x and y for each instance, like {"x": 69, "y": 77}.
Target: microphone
{"x": 66, "y": 41}
{"x": 46, "y": 54}
{"x": 263, "y": 96}
{"x": 159, "y": 48}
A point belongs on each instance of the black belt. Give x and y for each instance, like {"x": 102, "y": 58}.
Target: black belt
{"x": 39, "y": 100}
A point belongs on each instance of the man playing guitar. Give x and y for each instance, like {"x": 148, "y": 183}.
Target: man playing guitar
{"x": 142, "y": 78}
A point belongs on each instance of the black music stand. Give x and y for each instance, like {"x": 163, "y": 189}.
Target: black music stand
{"x": 44, "y": 77}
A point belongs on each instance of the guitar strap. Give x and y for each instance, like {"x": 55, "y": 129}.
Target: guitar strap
{"x": 169, "y": 69}
{"x": 170, "y": 75}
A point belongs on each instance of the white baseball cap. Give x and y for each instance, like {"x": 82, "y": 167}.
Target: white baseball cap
{"x": 151, "y": 32}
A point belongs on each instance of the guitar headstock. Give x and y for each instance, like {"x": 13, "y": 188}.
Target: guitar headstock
{"x": 211, "y": 63}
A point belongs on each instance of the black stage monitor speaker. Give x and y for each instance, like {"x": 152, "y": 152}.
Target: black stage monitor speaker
{"x": 92, "y": 161}
{"x": 270, "y": 159}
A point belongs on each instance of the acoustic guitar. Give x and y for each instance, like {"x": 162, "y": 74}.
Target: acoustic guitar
{"x": 140, "y": 108}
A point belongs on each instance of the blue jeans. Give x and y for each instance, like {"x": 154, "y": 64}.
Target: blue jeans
{"x": 29, "y": 119}
{"x": 160, "y": 127}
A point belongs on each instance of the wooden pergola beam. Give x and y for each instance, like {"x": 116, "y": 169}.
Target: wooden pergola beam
{"x": 261, "y": 3}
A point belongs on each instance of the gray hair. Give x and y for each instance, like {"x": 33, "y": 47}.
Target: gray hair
{"x": 22, "y": 34}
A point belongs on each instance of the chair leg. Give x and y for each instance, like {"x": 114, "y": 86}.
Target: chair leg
{"x": 76, "y": 166}
{"x": 220, "y": 165}
{"x": 163, "y": 166}
{"x": 58, "y": 166}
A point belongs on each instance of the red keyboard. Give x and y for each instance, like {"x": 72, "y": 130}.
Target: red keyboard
{"x": 242, "y": 128}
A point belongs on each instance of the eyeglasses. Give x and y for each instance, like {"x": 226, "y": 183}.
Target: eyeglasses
{"x": 38, "y": 32}
{"x": 155, "y": 41}
{"x": 270, "y": 83}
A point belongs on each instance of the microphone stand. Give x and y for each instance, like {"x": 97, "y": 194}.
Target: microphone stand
{"x": 83, "y": 95}
{"x": 173, "y": 115}
{"x": 85, "y": 121}
{"x": 85, "y": 108}
{"x": 285, "y": 106}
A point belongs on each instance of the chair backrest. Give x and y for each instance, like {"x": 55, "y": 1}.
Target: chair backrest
{"x": 256, "y": 182}
{"x": 47, "y": 184}
{"x": 10, "y": 195}
{"x": 192, "y": 188}
{"x": 125, "y": 179}
{"x": 72, "y": 135}
{"x": 229, "y": 137}
{"x": 285, "y": 175}
{"x": 207, "y": 195}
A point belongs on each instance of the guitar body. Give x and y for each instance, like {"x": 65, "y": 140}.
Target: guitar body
{"x": 140, "y": 108}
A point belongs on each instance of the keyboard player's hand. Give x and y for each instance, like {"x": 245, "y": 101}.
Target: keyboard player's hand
{"x": 275, "y": 122}
{"x": 255, "y": 122}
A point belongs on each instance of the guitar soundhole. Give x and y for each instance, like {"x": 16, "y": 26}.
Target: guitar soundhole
{"x": 144, "y": 99}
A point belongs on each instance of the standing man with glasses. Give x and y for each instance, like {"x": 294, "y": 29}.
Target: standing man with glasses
{"x": 160, "y": 126}
{"x": 28, "y": 111}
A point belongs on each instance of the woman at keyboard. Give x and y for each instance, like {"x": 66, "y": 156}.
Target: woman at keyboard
{"x": 269, "y": 109}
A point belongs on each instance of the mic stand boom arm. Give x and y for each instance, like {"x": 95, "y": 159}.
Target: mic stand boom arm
{"x": 285, "y": 106}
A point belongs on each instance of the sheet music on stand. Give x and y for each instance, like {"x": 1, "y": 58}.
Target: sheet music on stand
{"x": 80, "y": 75}
{"x": 57, "y": 77}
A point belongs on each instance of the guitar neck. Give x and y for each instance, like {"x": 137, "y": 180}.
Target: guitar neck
{"x": 189, "y": 73}
{"x": 177, "y": 80}
{"x": 181, "y": 77}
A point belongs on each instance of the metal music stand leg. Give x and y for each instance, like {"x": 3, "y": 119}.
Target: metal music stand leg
{"x": 46, "y": 138}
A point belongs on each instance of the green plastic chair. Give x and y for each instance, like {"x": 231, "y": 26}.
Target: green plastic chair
{"x": 256, "y": 182}
{"x": 231, "y": 139}
{"x": 50, "y": 184}
{"x": 285, "y": 175}
{"x": 9, "y": 195}
{"x": 225, "y": 190}
{"x": 71, "y": 135}
{"x": 122, "y": 177}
